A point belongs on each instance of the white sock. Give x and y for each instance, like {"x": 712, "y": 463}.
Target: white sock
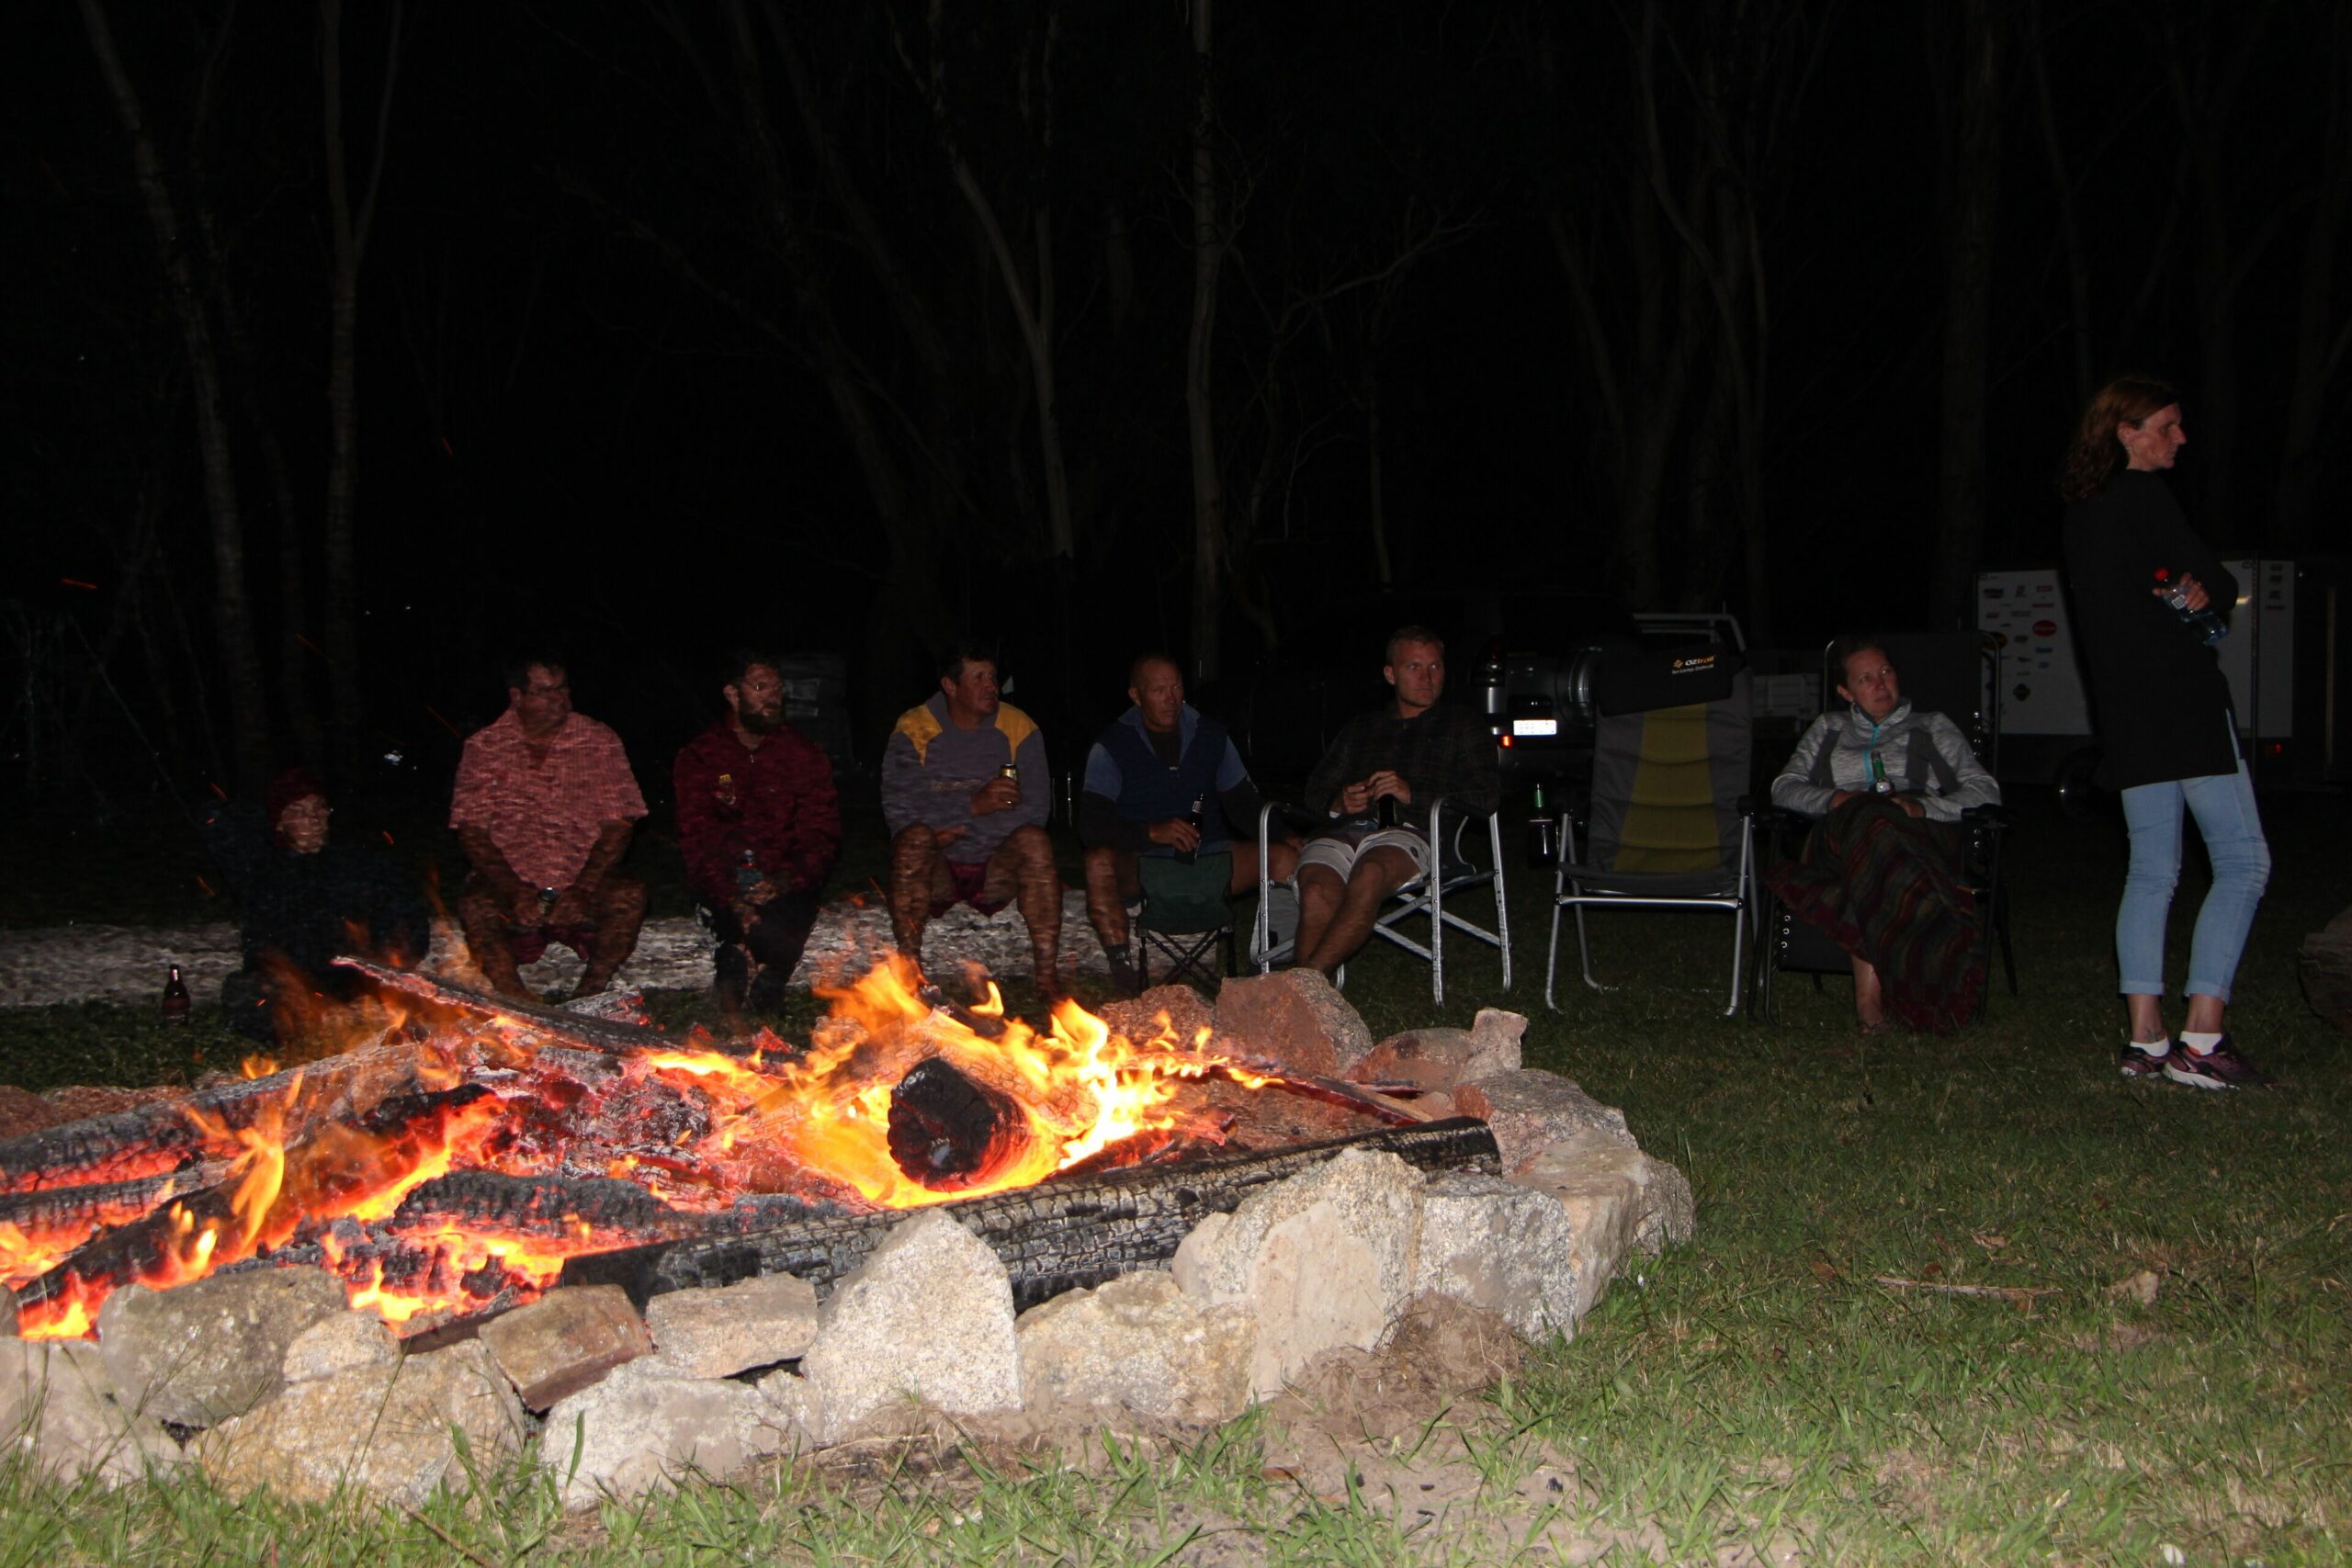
{"x": 2155, "y": 1047}
{"x": 2201, "y": 1043}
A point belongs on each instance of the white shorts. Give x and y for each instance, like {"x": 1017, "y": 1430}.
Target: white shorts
{"x": 1339, "y": 855}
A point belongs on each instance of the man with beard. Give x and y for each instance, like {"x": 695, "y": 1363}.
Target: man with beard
{"x": 759, "y": 826}
{"x": 964, "y": 792}
{"x": 1410, "y": 751}
{"x": 544, "y": 808}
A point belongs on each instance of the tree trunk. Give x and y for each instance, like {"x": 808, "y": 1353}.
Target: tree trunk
{"x": 2063, "y": 187}
{"x": 1376, "y": 501}
{"x": 1972, "y": 189}
{"x": 233, "y": 613}
{"x": 350, "y": 235}
{"x": 1208, "y": 257}
{"x": 2324, "y": 324}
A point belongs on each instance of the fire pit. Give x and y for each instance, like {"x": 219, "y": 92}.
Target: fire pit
{"x": 457, "y": 1156}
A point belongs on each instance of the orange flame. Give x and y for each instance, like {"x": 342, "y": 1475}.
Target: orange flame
{"x": 778, "y": 1119}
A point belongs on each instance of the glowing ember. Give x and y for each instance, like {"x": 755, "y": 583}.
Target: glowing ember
{"x": 362, "y": 1164}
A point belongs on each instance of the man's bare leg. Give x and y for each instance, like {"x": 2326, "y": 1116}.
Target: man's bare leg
{"x": 1870, "y": 997}
{"x": 1281, "y": 861}
{"x": 917, "y": 870}
{"x": 1376, "y": 874}
{"x": 484, "y": 922}
{"x": 618, "y": 909}
{"x": 1111, "y": 880}
{"x": 1319, "y": 891}
{"x": 1027, "y": 858}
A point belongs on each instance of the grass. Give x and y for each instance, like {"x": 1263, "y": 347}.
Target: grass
{"x": 1754, "y": 1389}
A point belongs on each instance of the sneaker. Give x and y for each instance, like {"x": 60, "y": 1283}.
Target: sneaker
{"x": 2222, "y": 1067}
{"x": 1124, "y": 978}
{"x": 2139, "y": 1064}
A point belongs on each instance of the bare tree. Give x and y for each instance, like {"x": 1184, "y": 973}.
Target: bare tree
{"x": 1200, "y": 407}
{"x": 1971, "y": 186}
{"x": 231, "y": 609}
{"x": 2316, "y": 406}
{"x": 349, "y": 228}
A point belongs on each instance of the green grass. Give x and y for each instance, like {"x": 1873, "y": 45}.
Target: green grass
{"x": 1756, "y": 1387}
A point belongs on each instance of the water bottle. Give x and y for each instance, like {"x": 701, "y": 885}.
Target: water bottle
{"x": 1543, "y": 837}
{"x": 1880, "y": 783}
{"x": 747, "y": 874}
{"x": 177, "y": 1001}
{"x": 2205, "y": 623}
{"x": 1198, "y": 818}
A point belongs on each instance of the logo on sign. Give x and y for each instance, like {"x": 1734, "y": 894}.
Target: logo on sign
{"x": 2046, "y": 628}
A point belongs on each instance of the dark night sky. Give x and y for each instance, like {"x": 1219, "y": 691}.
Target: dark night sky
{"x": 559, "y": 436}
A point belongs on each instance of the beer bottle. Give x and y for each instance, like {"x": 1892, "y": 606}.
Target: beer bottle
{"x": 1542, "y": 841}
{"x": 177, "y": 1001}
{"x": 1198, "y": 818}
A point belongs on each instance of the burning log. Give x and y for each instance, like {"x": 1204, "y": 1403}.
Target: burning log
{"x": 1060, "y": 1235}
{"x": 948, "y": 1131}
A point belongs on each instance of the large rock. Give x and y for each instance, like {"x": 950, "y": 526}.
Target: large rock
{"x": 1504, "y": 1247}
{"x": 1138, "y": 1018}
{"x": 1294, "y": 1020}
{"x": 58, "y": 1409}
{"x": 1138, "y": 1342}
{"x": 1531, "y": 1110}
{"x": 641, "y": 1429}
{"x": 927, "y": 1316}
{"x": 1436, "y": 1059}
{"x": 347, "y": 1342}
{"x": 1324, "y": 1260}
{"x": 718, "y": 1333}
{"x": 1618, "y": 1201}
{"x": 566, "y": 1340}
{"x": 213, "y": 1347}
{"x": 390, "y": 1433}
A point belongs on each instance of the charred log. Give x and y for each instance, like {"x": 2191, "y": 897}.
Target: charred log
{"x": 1057, "y": 1237}
{"x": 948, "y": 1131}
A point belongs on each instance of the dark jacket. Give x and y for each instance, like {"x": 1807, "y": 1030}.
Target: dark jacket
{"x": 309, "y": 909}
{"x": 2157, "y": 695}
{"x": 1130, "y": 786}
{"x": 778, "y": 802}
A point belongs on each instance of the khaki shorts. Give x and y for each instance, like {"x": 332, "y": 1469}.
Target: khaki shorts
{"x": 1339, "y": 854}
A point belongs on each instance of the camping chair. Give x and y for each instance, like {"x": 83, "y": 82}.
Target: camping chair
{"x": 1184, "y": 915}
{"x": 1953, "y": 673}
{"x": 1668, "y": 824}
{"x": 1458, "y": 871}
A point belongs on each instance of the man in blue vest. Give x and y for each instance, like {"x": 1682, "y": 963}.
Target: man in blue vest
{"x": 1163, "y": 779}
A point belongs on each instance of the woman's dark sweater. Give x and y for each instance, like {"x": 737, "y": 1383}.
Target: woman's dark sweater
{"x": 2157, "y": 692}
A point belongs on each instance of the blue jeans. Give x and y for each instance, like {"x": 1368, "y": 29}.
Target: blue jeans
{"x": 2223, "y": 806}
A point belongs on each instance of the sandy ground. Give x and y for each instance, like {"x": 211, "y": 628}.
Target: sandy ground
{"x": 127, "y": 964}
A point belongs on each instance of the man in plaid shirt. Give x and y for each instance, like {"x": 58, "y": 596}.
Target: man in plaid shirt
{"x": 1410, "y": 751}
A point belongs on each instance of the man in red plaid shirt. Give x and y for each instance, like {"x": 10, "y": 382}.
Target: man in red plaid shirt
{"x": 758, "y": 827}
{"x": 544, "y": 807}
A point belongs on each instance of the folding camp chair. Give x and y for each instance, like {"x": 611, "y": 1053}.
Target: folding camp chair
{"x": 1184, "y": 915}
{"x": 1668, "y": 824}
{"x": 1953, "y": 673}
{"x": 1459, "y": 869}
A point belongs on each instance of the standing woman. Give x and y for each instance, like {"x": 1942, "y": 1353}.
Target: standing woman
{"x": 2169, "y": 739}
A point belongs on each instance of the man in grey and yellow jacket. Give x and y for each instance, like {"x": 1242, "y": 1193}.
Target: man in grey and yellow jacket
{"x": 964, "y": 789}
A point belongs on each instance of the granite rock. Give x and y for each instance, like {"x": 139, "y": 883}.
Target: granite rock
{"x": 214, "y": 1348}
{"x": 566, "y": 1340}
{"x": 718, "y": 1333}
{"x": 641, "y": 1429}
{"x": 1294, "y": 1020}
{"x": 1531, "y": 1110}
{"x": 58, "y": 1408}
{"x": 1140, "y": 1343}
{"x": 1501, "y": 1247}
{"x": 347, "y": 1342}
{"x": 1618, "y": 1201}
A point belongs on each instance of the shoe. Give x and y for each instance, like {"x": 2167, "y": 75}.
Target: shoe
{"x": 2139, "y": 1064}
{"x": 2222, "y": 1067}
{"x": 1123, "y": 977}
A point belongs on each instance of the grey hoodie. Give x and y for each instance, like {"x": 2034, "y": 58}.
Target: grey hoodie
{"x": 1924, "y": 754}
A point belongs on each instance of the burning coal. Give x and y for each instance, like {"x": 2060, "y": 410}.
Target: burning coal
{"x": 458, "y": 1153}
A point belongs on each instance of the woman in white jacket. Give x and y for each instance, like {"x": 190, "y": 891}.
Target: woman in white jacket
{"x": 1888, "y": 785}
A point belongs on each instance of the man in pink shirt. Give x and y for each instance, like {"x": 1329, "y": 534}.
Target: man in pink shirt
{"x": 544, "y": 807}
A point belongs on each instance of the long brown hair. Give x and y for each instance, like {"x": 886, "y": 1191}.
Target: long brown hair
{"x": 2095, "y": 454}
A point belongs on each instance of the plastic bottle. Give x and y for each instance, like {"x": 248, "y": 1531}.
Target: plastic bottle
{"x": 177, "y": 1001}
{"x": 2205, "y": 623}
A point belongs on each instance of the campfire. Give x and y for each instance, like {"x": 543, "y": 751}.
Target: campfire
{"x": 459, "y": 1154}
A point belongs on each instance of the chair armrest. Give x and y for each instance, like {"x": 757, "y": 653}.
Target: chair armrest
{"x": 1992, "y": 815}
{"x": 1774, "y": 818}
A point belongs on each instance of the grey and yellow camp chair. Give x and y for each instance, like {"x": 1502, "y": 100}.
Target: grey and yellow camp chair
{"x": 1669, "y": 824}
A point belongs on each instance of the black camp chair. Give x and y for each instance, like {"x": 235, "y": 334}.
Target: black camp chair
{"x": 1953, "y": 673}
{"x": 1668, "y": 824}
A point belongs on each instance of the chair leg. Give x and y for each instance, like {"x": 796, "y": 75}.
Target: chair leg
{"x": 1502, "y": 902}
{"x": 1437, "y": 936}
{"x": 1552, "y": 955}
{"x": 1584, "y": 950}
{"x": 2001, "y": 930}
